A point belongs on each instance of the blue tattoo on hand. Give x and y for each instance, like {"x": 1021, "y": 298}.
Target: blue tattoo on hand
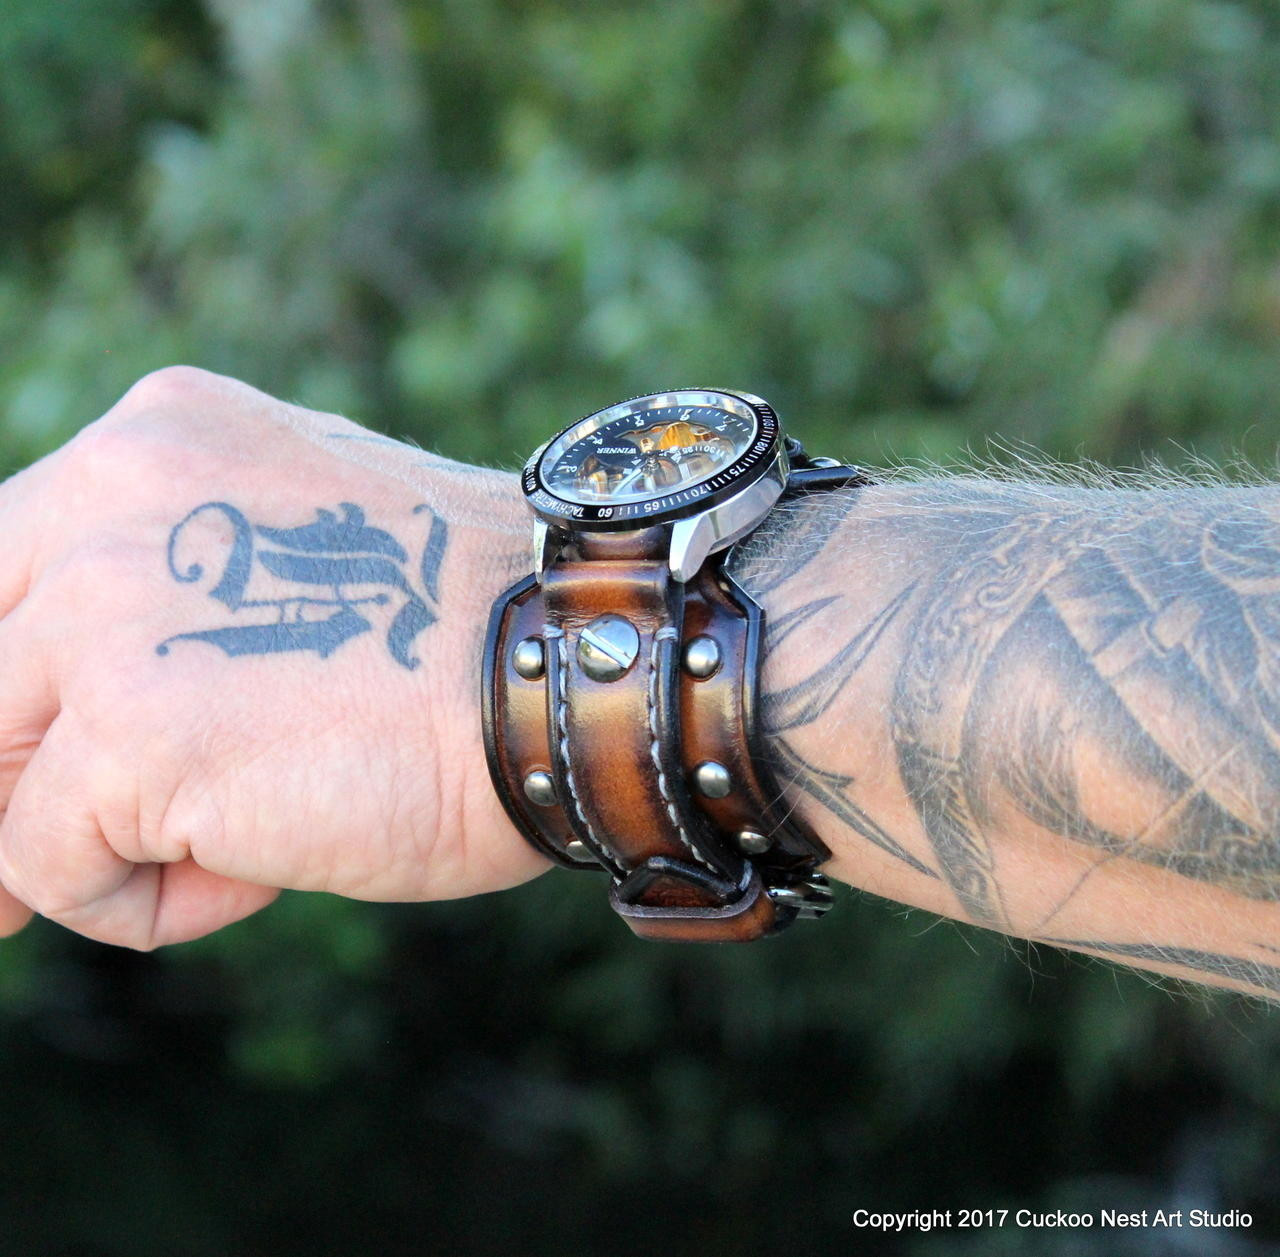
{"x": 358, "y": 566}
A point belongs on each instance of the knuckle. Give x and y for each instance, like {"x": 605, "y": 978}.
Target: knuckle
{"x": 52, "y": 898}
{"x": 167, "y": 427}
{"x": 108, "y": 456}
{"x": 164, "y": 388}
{"x": 132, "y": 425}
{"x": 177, "y": 819}
{"x": 138, "y": 456}
{"x": 87, "y": 594}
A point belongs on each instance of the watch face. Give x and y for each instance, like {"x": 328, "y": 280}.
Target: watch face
{"x": 651, "y": 456}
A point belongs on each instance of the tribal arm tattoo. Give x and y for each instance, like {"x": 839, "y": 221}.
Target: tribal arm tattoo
{"x": 1094, "y": 671}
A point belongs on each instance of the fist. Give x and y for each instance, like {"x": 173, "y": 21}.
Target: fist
{"x": 239, "y": 652}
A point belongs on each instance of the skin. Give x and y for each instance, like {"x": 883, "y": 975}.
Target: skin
{"x": 154, "y": 797}
{"x": 1046, "y": 710}
{"x": 239, "y": 646}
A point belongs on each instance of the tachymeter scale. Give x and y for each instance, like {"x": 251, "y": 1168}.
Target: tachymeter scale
{"x": 648, "y": 449}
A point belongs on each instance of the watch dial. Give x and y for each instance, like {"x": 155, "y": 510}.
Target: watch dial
{"x": 648, "y": 447}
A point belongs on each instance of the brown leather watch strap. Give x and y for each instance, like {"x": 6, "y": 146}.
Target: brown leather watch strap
{"x": 620, "y": 725}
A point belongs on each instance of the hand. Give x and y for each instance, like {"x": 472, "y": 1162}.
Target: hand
{"x": 240, "y": 652}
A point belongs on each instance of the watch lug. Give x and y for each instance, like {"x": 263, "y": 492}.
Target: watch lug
{"x": 691, "y": 542}
{"x": 699, "y": 536}
{"x": 547, "y": 542}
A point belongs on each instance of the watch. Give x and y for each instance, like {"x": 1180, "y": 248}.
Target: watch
{"x": 621, "y": 676}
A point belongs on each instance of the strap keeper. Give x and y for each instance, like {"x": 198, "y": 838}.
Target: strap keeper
{"x": 675, "y": 883}
{"x": 750, "y": 915}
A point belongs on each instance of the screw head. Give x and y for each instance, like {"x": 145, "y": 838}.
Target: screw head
{"x": 528, "y": 658}
{"x": 702, "y": 657}
{"x": 712, "y": 779}
{"x": 607, "y": 647}
{"x": 752, "y": 842}
{"x": 540, "y": 789}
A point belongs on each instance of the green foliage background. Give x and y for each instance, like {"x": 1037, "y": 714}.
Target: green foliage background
{"x": 914, "y": 225}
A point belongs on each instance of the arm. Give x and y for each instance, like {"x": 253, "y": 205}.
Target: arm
{"x": 239, "y": 651}
{"x": 1051, "y": 711}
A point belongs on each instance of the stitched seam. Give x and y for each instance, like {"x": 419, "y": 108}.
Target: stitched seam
{"x": 562, "y": 729}
{"x": 655, "y": 749}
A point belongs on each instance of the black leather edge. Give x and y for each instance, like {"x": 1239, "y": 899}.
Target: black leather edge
{"x": 488, "y": 701}
{"x": 632, "y": 888}
{"x": 795, "y": 837}
{"x": 560, "y": 771}
{"x": 670, "y": 740}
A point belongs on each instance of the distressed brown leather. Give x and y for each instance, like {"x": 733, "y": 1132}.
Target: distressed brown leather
{"x": 617, "y": 769}
{"x": 622, "y": 753}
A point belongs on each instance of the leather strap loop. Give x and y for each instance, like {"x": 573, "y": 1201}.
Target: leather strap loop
{"x": 749, "y": 914}
{"x": 616, "y": 742}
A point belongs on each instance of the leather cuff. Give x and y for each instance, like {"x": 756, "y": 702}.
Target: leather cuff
{"x": 620, "y": 720}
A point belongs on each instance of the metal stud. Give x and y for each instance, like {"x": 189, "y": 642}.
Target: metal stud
{"x": 578, "y": 849}
{"x": 712, "y": 779}
{"x": 607, "y": 647}
{"x": 528, "y": 658}
{"x": 540, "y": 789}
{"x": 810, "y": 898}
{"x": 752, "y": 842}
{"x": 702, "y": 657}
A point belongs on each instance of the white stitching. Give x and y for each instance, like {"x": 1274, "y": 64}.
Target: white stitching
{"x": 562, "y": 724}
{"x": 668, "y": 632}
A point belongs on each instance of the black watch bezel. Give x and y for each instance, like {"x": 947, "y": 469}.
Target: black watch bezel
{"x": 661, "y": 508}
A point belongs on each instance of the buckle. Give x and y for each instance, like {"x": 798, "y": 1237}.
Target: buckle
{"x": 809, "y": 898}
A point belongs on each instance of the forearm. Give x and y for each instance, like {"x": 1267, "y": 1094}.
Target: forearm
{"x": 1050, "y": 711}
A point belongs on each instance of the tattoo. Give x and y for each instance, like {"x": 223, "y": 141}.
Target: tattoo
{"x": 796, "y": 534}
{"x": 806, "y": 701}
{"x": 834, "y": 791}
{"x": 1105, "y": 665}
{"x": 807, "y": 528}
{"x": 268, "y": 578}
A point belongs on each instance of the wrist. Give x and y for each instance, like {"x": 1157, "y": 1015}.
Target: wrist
{"x": 488, "y": 549}
{"x": 827, "y": 682}
{"x": 492, "y": 550}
